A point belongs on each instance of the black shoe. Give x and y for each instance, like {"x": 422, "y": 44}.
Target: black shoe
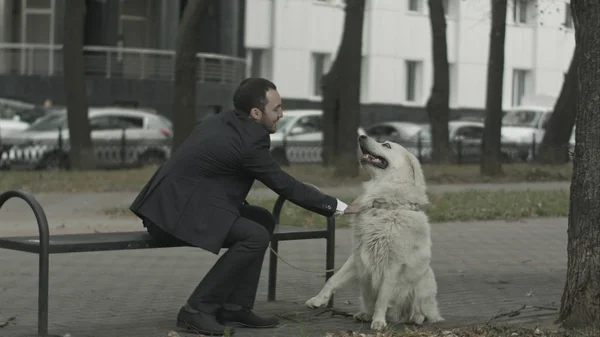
{"x": 201, "y": 323}
{"x": 245, "y": 318}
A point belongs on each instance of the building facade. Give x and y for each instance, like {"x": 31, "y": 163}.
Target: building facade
{"x": 128, "y": 51}
{"x": 293, "y": 42}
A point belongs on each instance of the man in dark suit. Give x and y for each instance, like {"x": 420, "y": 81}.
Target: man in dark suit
{"x": 198, "y": 198}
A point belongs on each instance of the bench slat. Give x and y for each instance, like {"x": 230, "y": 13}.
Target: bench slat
{"x": 92, "y": 242}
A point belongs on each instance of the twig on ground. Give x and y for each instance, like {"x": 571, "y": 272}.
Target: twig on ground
{"x": 335, "y": 313}
{"x": 322, "y": 312}
{"x": 512, "y": 313}
{"x": 284, "y": 316}
{"x": 10, "y": 320}
{"x": 341, "y": 313}
{"x": 517, "y": 312}
{"x": 539, "y": 307}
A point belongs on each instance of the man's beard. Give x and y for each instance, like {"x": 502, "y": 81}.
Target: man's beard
{"x": 270, "y": 126}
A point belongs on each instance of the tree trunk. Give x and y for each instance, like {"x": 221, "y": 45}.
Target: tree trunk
{"x": 186, "y": 68}
{"x": 555, "y": 145}
{"x": 580, "y": 304}
{"x": 437, "y": 105}
{"x": 341, "y": 96}
{"x": 81, "y": 153}
{"x": 491, "y": 159}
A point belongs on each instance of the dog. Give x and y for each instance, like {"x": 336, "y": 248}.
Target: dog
{"x": 392, "y": 243}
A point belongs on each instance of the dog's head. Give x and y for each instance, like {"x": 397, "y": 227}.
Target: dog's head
{"x": 390, "y": 161}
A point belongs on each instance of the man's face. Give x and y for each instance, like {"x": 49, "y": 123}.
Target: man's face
{"x": 272, "y": 112}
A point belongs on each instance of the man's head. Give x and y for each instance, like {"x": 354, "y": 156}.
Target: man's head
{"x": 259, "y": 98}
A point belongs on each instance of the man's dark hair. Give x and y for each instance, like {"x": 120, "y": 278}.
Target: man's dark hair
{"x": 251, "y": 93}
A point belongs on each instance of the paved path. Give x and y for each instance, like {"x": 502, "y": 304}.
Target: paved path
{"x": 85, "y": 209}
{"x": 440, "y": 188}
{"x": 481, "y": 268}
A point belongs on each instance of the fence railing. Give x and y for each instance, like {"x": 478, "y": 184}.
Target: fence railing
{"x": 462, "y": 151}
{"x": 121, "y": 151}
{"x": 116, "y": 151}
{"x": 116, "y": 62}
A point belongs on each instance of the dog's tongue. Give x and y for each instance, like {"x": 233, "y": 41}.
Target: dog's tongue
{"x": 370, "y": 157}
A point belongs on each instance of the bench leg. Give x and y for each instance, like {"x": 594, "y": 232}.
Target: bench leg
{"x": 43, "y": 294}
{"x": 330, "y": 261}
{"x": 272, "y": 271}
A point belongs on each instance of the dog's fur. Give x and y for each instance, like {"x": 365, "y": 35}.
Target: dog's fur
{"x": 392, "y": 244}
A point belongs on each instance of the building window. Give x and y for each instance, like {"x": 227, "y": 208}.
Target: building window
{"x": 38, "y": 26}
{"x": 133, "y": 27}
{"x": 568, "y": 16}
{"x": 256, "y": 57}
{"x": 364, "y": 78}
{"x": 259, "y": 62}
{"x": 320, "y": 66}
{"x": 450, "y": 8}
{"x": 453, "y": 83}
{"x": 519, "y": 86}
{"x": 520, "y": 11}
{"x": 414, "y": 5}
{"x": 413, "y": 81}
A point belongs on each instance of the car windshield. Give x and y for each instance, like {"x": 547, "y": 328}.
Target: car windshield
{"x": 424, "y": 133}
{"x": 167, "y": 122}
{"x": 50, "y": 122}
{"x": 282, "y": 123}
{"x": 9, "y": 112}
{"x": 526, "y": 118}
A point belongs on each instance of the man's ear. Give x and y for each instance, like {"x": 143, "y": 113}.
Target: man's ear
{"x": 256, "y": 114}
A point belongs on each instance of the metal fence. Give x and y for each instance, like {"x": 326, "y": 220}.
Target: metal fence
{"x": 462, "y": 151}
{"x": 121, "y": 152}
{"x": 115, "y": 62}
{"x": 117, "y": 152}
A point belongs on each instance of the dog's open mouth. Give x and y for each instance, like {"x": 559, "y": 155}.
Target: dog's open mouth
{"x": 373, "y": 159}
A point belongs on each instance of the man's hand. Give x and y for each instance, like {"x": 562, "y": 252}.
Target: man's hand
{"x": 353, "y": 208}
{"x": 341, "y": 207}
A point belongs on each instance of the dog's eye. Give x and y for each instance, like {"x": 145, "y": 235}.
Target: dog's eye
{"x": 387, "y": 145}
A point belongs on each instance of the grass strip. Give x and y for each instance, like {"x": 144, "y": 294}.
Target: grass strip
{"x": 470, "y": 205}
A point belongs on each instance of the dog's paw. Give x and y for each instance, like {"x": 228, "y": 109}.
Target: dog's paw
{"x": 317, "y": 302}
{"x": 363, "y": 317}
{"x": 435, "y": 319}
{"x": 378, "y": 324}
{"x": 418, "y": 319}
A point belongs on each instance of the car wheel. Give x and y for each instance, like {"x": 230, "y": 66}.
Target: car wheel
{"x": 55, "y": 161}
{"x": 505, "y": 158}
{"x": 152, "y": 158}
{"x": 280, "y": 157}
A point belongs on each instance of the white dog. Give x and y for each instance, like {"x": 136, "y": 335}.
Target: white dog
{"x": 392, "y": 244}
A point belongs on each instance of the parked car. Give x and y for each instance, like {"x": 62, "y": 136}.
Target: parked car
{"x": 525, "y": 125}
{"x": 465, "y": 139}
{"x": 119, "y": 135}
{"x": 11, "y": 126}
{"x": 19, "y": 110}
{"x": 299, "y": 137}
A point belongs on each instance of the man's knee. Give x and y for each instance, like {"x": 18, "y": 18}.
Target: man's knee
{"x": 261, "y": 237}
{"x": 259, "y": 215}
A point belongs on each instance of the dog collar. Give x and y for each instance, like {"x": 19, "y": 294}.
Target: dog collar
{"x": 407, "y": 206}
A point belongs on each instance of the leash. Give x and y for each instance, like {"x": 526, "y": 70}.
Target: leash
{"x": 301, "y": 269}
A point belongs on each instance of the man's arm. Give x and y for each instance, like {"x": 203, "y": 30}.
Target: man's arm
{"x": 258, "y": 161}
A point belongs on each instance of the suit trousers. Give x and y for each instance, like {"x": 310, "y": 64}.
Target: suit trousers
{"x": 233, "y": 279}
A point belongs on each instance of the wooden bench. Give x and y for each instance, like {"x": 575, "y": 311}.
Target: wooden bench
{"x": 44, "y": 245}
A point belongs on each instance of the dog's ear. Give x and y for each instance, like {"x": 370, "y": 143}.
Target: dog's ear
{"x": 418, "y": 176}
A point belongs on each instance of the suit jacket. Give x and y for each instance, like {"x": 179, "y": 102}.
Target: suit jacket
{"x": 196, "y": 194}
